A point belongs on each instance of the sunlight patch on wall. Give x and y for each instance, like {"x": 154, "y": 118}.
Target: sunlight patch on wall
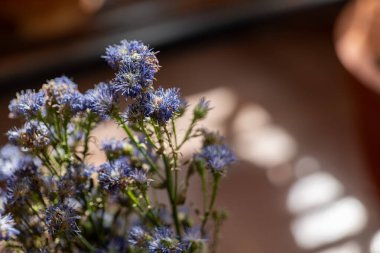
{"x": 312, "y": 191}
{"x": 349, "y": 247}
{"x": 330, "y": 224}
{"x": 259, "y": 141}
{"x": 375, "y": 243}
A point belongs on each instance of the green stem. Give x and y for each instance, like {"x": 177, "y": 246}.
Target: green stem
{"x": 136, "y": 202}
{"x": 151, "y": 142}
{"x": 215, "y": 188}
{"x": 187, "y": 134}
{"x": 87, "y": 135}
{"x": 86, "y": 243}
{"x": 137, "y": 145}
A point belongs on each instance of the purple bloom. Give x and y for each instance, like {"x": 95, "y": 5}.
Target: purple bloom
{"x": 161, "y": 104}
{"x": 164, "y": 242}
{"x": 136, "y": 65}
{"x": 26, "y": 104}
{"x": 62, "y": 219}
{"x": 101, "y": 100}
{"x": 201, "y": 109}
{"x": 217, "y": 157}
{"x": 33, "y": 135}
{"x": 58, "y": 91}
{"x": 193, "y": 237}
{"x": 7, "y": 230}
{"x": 138, "y": 237}
{"x": 140, "y": 177}
{"x": 115, "y": 148}
{"x": 114, "y": 176}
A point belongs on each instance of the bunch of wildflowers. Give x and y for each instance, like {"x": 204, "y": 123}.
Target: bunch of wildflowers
{"x": 53, "y": 200}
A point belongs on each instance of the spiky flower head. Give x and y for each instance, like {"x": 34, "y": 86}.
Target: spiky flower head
{"x": 26, "y": 104}
{"x": 217, "y": 157}
{"x": 33, "y": 135}
{"x": 7, "y": 228}
{"x": 136, "y": 66}
{"x": 114, "y": 176}
{"x": 138, "y": 237}
{"x": 193, "y": 238}
{"x": 116, "y": 148}
{"x": 201, "y": 109}
{"x": 62, "y": 219}
{"x": 162, "y": 104}
{"x": 140, "y": 177}
{"x": 164, "y": 241}
{"x": 101, "y": 100}
{"x": 59, "y": 93}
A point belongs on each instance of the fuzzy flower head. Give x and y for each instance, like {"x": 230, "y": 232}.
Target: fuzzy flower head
{"x": 161, "y": 104}
{"x": 193, "y": 238}
{"x": 10, "y": 157}
{"x": 140, "y": 177}
{"x": 61, "y": 93}
{"x": 18, "y": 189}
{"x": 7, "y": 230}
{"x": 62, "y": 219}
{"x": 33, "y": 135}
{"x": 115, "y": 148}
{"x": 136, "y": 65}
{"x": 101, "y": 100}
{"x": 138, "y": 237}
{"x": 163, "y": 241}
{"x": 201, "y": 109}
{"x": 114, "y": 176}
{"x": 217, "y": 157}
{"x": 26, "y": 104}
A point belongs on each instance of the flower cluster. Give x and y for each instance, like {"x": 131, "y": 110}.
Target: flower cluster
{"x": 52, "y": 199}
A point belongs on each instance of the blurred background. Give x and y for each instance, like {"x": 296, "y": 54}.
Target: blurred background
{"x": 295, "y": 86}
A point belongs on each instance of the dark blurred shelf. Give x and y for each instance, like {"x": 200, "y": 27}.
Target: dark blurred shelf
{"x": 163, "y": 23}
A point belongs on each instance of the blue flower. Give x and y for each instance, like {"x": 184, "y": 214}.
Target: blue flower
{"x": 161, "y": 104}
{"x": 101, "y": 100}
{"x": 201, "y": 109}
{"x": 138, "y": 237}
{"x": 10, "y": 156}
{"x": 26, "y": 104}
{"x": 114, "y": 176}
{"x": 18, "y": 189}
{"x": 58, "y": 90}
{"x": 7, "y": 228}
{"x": 163, "y": 241}
{"x": 217, "y": 157}
{"x": 136, "y": 67}
{"x": 115, "y": 148}
{"x": 129, "y": 51}
{"x": 33, "y": 135}
{"x": 140, "y": 177}
{"x": 74, "y": 101}
{"x": 192, "y": 237}
{"x": 62, "y": 219}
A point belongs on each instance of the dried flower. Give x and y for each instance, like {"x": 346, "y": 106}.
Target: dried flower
{"x": 217, "y": 157}
{"x": 62, "y": 219}
{"x": 101, "y": 100}
{"x": 26, "y": 104}
{"x": 7, "y": 228}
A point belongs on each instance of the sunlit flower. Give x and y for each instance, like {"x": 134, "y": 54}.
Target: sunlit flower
{"x": 101, "y": 100}
{"x": 26, "y": 104}
{"x": 217, "y": 157}
{"x": 62, "y": 219}
{"x": 7, "y": 228}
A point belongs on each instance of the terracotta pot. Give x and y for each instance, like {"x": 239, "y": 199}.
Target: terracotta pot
{"x": 357, "y": 41}
{"x": 42, "y": 19}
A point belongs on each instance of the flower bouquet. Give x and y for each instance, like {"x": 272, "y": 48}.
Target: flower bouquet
{"x": 53, "y": 200}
